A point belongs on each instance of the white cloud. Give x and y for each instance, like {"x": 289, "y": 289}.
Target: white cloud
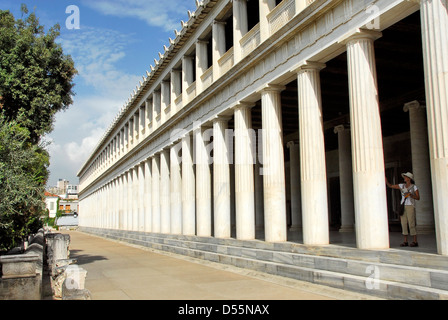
{"x": 154, "y": 12}
{"x": 102, "y": 87}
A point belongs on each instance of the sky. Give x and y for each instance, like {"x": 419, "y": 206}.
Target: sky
{"x": 113, "y": 43}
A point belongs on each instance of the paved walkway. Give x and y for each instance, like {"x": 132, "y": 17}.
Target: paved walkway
{"x": 119, "y": 271}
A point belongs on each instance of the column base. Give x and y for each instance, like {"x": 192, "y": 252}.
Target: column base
{"x": 348, "y": 228}
{"x": 295, "y": 228}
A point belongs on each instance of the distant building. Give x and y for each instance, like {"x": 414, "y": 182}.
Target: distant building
{"x": 52, "y": 204}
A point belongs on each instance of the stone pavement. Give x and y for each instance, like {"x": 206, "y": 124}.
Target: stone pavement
{"x": 119, "y": 271}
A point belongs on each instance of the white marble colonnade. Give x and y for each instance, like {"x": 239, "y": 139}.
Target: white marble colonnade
{"x": 198, "y": 203}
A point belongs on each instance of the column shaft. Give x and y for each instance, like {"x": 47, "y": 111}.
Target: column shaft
{"x": 273, "y": 165}
{"x": 155, "y": 193}
{"x": 312, "y": 156}
{"x": 372, "y": 230}
{"x": 165, "y": 215}
{"x": 176, "y": 189}
{"x": 434, "y": 17}
{"x": 345, "y": 179}
{"x": 203, "y": 183}
{"x": 221, "y": 179}
{"x": 294, "y": 169}
{"x": 188, "y": 188}
{"x": 244, "y": 173}
{"x": 148, "y": 196}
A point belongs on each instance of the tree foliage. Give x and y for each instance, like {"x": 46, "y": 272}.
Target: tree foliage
{"x": 23, "y": 172}
{"x": 36, "y": 81}
{"x": 36, "y": 78}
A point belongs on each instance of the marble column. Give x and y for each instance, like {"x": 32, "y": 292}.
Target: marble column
{"x": 201, "y": 63}
{"x": 312, "y": 156}
{"x": 372, "y": 227}
{"x": 123, "y": 199}
{"x": 131, "y": 199}
{"x": 265, "y": 6}
{"x": 187, "y": 76}
{"x": 141, "y": 193}
{"x": 203, "y": 183}
{"x": 148, "y": 196}
{"x": 176, "y": 189}
{"x": 219, "y": 46}
{"x": 240, "y": 27}
{"x": 221, "y": 179}
{"x": 345, "y": 179}
{"x": 434, "y": 21}
{"x": 421, "y": 165}
{"x": 244, "y": 173}
{"x": 165, "y": 202}
{"x": 273, "y": 165}
{"x": 294, "y": 169}
{"x": 188, "y": 188}
{"x": 135, "y": 199}
{"x": 155, "y": 197}
{"x": 176, "y": 88}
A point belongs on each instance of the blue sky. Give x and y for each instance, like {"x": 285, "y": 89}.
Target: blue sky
{"x": 115, "y": 44}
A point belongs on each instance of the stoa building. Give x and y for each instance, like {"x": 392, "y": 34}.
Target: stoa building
{"x": 278, "y": 121}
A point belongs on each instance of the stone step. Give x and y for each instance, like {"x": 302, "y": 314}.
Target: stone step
{"x": 387, "y": 273}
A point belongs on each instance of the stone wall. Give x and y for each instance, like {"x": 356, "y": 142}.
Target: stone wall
{"x": 42, "y": 269}
{"x": 22, "y": 270}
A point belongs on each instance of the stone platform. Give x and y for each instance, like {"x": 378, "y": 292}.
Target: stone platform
{"x": 390, "y": 274}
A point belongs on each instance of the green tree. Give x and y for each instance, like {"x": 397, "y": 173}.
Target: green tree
{"x": 36, "y": 82}
{"x": 36, "y": 78}
{"x": 23, "y": 172}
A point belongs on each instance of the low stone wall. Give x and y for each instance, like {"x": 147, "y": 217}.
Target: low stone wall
{"x": 43, "y": 258}
{"x": 22, "y": 273}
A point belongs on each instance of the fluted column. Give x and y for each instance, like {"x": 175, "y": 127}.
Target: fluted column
{"x": 188, "y": 188}
{"x": 203, "y": 183}
{"x": 434, "y": 19}
{"x": 420, "y": 165}
{"x": 122, "y": 195}
{"x": 148, "y": 196}
{"x": 155, "y": 197}
{"x": 221, "y": 179}
{"x": 175, "y": 189}
{"x": 273, "y": 164}
{"x": 244, "y": 172}
{"x": 294, "y": 169}
{"x": 372, "y": 229}
{"x": 131, "y": 199}
{"x": 312, "y": 156}
{"x": 345, "y": 179}
{"x": 240, "y": 26}
{"x": 136, "y": 199}
{"x": 165, "y": 202}
{"x": 141, "y": 198}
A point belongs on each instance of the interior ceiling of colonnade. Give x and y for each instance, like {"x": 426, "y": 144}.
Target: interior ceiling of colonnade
{"x": 399, "y": 63}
